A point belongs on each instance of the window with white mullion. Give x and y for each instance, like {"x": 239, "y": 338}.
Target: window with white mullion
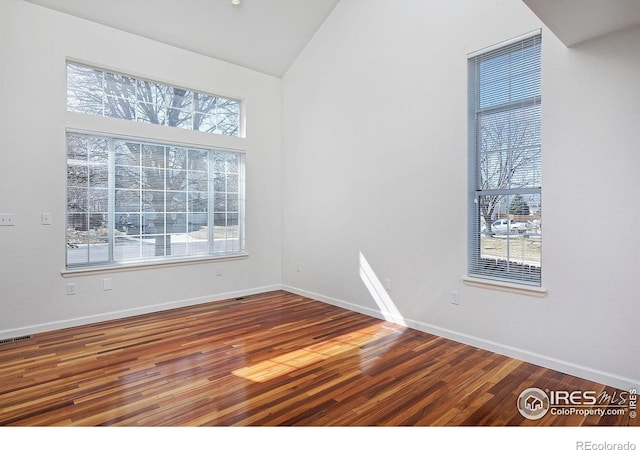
{"x": 133, "y": 201}
{"x": 139, "y": 200}
{"x": 241, "y": 205}
{"x": 210, "y": 217}
{"x": 112, "y": 202}
{"x": 103, "y": 95}
{"x": 504, "y": 229}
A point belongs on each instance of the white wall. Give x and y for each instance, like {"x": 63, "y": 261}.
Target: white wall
{"x": 34, "y": 44}
{"x": 375, "y": 163}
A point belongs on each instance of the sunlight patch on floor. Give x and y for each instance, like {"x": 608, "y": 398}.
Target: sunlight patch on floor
{"x": 298, "y": 359}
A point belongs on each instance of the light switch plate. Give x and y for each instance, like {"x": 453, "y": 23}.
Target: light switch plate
{"x": 7, "y": 219}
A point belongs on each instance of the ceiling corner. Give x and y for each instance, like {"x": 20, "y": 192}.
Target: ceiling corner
{"x": 576, "y": 21}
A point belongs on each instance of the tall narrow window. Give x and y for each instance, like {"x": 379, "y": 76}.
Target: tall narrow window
{"x": 505, "y": 179}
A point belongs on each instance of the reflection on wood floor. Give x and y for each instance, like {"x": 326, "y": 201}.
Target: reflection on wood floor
{"x": 269, "y": 359}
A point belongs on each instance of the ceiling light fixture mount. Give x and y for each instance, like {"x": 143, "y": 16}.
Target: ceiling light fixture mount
{"x": 235, "y": 2}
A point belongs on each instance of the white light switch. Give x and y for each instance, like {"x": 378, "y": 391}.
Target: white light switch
{"x": 46, "y": 218}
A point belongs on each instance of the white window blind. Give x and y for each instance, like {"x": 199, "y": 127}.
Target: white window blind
{"x": 505, "y": 179}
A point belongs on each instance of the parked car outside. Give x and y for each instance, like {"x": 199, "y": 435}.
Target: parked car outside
{"x": 506, "y": 226}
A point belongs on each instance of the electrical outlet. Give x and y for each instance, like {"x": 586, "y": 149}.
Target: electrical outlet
{"x": 107, "y": 285}
{"x": 455, "y": 298}
{"x": 298, "y": 267}
{"x": 6, "y": 220}
{"x": 71, "y": 289}
{"x": 387, "y": 284}
{"x": 218, "y": 271}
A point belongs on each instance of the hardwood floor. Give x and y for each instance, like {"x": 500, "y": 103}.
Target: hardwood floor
{"x": 269, "y": 359}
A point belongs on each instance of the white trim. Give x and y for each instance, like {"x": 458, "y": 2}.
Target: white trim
{"x": 95, "y": 318}
{"x": 141, "y": 131}
{"x": 152, "y": 140}
{"x": 68, "y": 273}
{"x": 505, "y": 43}
{"x": 513, "y": 288}
{"x": 559, "y": 365}
{"x": 588, "y": 373}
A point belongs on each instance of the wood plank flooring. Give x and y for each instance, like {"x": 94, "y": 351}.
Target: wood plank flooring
{"x": 267, "y": 360}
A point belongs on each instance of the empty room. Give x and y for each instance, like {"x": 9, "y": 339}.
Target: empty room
{"x": 321, "y": 213}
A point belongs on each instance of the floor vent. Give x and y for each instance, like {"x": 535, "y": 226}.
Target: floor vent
{"x": 15, "y": 339}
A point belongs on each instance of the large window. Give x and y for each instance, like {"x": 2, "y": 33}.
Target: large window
{"x": 505, "y": 180}
{"x": 136, "y": 200}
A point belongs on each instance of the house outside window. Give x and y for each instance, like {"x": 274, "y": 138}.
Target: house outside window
{"x": 505, "y": 176}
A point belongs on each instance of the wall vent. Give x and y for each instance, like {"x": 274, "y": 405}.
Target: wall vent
{"x": 15, "y": 339}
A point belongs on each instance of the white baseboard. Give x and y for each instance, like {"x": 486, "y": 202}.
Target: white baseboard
{"x": 609, "y": 379}
{"x": 588, "y": 373}
{"x": 85, "y": 320}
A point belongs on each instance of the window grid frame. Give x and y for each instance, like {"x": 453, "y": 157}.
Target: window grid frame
{"x": 237, "y": 249}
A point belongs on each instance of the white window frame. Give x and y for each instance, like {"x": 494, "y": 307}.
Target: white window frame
{"x": 98, "y": 125}
{"x": 507, "y": 269}
{"x": 109, "y": 93}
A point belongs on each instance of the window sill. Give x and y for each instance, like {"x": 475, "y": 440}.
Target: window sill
{"x": 513, "y": 288}
{"x": 68, "y": 273}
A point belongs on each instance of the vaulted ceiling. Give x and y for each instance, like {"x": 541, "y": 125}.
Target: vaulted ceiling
{"x": 264, "y": 35}
{"x": 267, "y": 35}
